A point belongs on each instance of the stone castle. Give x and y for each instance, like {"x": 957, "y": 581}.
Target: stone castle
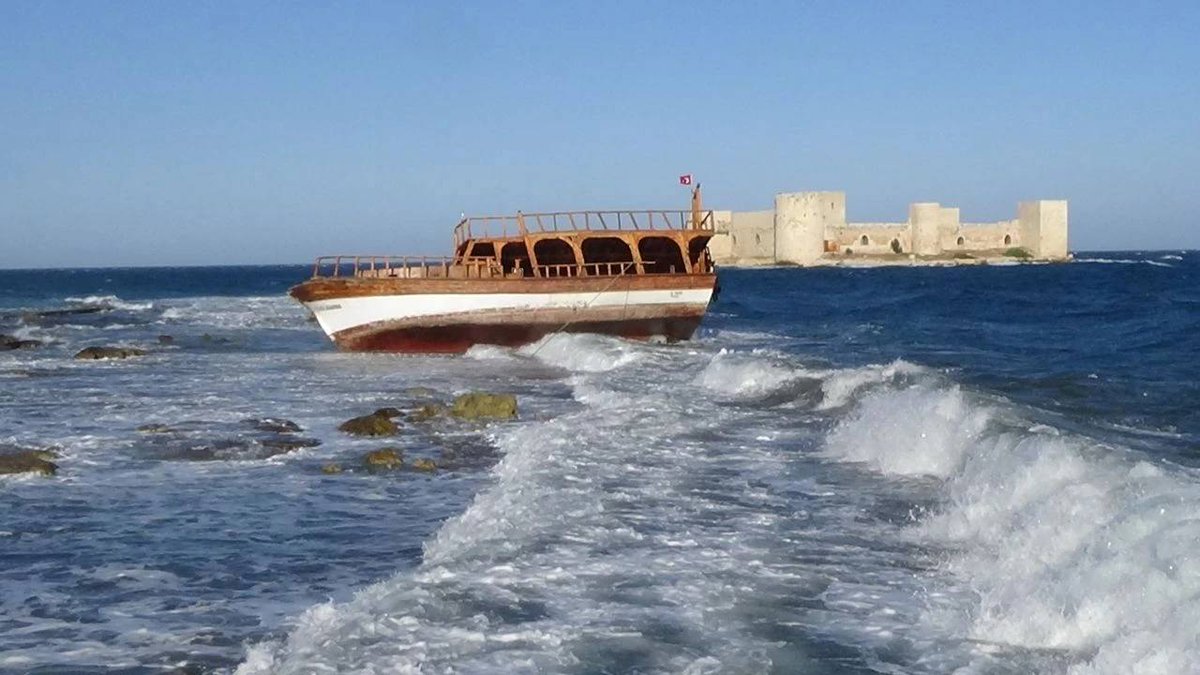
{"x": 810, "y": 228}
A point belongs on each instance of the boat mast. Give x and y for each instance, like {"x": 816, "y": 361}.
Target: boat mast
{"x": 696, "y": 204}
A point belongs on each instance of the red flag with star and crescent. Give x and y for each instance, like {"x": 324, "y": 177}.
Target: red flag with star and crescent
{"x": 685, "y": 179}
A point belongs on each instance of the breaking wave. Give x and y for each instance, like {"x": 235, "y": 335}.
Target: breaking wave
{"x": 1058, "y": 542}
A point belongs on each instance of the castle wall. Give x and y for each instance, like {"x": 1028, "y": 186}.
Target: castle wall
{"x": 720, "y": 247}
{"x": 986, "y": 236}
{"x": 849, "y": 238}
{"x": 810, "y": 228}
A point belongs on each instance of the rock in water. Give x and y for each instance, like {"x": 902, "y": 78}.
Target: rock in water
{"x": 27, "y": 462}
{"x": 96, "y": 353}
{"x": 388, "y": 412}
{"x": 331, "y": 468}
{"x": 424, "y": 464}
{"x": 384, "y": 459}
{"x": 481, "y": 405}
{"x": 288, "y": 443}
{"x": 370, "y": 425}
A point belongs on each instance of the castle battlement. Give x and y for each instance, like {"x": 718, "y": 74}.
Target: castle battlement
{"x": 810, "y": 228}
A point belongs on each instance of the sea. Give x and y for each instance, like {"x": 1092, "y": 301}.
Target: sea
{"x": 991, "y": 469}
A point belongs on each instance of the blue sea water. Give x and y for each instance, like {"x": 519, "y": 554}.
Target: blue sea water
{"x": 975, "y": 470}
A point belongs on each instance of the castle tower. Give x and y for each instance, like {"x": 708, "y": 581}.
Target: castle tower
{"x": 924, "y": 220}
{"x": 801, "y": 222}
{"x": 1043, "y": 228}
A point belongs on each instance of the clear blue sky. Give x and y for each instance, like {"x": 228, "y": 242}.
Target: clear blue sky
{"x": 138, "y": 133}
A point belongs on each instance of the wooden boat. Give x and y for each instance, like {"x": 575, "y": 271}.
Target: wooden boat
{"x": 515, "y": 279}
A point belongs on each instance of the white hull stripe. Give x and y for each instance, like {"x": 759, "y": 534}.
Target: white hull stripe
{"x": 344, "y": 313}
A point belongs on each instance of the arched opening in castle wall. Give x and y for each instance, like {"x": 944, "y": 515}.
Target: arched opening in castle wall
{"x": 1007, "y": 239}
{"x": 661, "y": 255}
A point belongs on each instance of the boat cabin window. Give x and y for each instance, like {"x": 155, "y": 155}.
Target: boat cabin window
{"x": 661, "y": 255}
{"x": 696, "y": 248}
{"x": 555, "y": 258}
{"x": 607, "y": 256}
{"x": 483, "y": 249}
{"x": 514, "y": 256}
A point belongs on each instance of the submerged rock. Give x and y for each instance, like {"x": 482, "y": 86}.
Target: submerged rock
{"x": 166, "y": 339}
{"x": 420, "y": 392}
{"x": 200, "y": 441}
{"x": 29, "y": 461}
{"x": 9, "y": 342}
{"x": 276, "y": 425}
{"x": 331, "y": 468}
{"x": 388, "y": 412}
{"x": 480, "y": 405}
{"x": 424, "y": 464}
{"x": 289, "y": 443}
{"x": 96, "y": 353}
{"x": 428, "y": 411}
{"x": 370, "y": 425}
{"x": 384, "y": 459}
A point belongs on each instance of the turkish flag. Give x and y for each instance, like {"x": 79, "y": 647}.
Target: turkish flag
{"x": 685, "y": 179}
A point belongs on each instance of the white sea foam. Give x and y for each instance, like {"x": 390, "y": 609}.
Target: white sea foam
{"x": 598, "y": 536}
{"x": 1122, "y": 261}
{"x": 584, "y": 352}
{"x": 111, "y": 302}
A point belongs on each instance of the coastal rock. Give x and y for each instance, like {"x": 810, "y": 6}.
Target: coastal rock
{"x": 166, "y": 340}
{"x": 384, "y": 459}
{"x": 97, "y": 353}
{"x": 420, "y": 392}
{"x": 480, "y": 405}
{"x": 154, "y": 428}
{"x": 331, "y": 468}
{"x": 29, "y": 461}
{"x": 424, "y": 464}
{"x": 369, "y": 425}
{"x": 388, "y": 412}
{"x": 428, "y": 411}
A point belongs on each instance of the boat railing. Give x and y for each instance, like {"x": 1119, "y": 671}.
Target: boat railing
{"x": 605, "y": 269}
{"x": 438, "y": 267}
{"x": 506, "y": 227}
{"x": 404, "y": 267}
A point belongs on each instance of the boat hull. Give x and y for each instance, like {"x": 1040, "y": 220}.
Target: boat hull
{"x": 429, "y": 316}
